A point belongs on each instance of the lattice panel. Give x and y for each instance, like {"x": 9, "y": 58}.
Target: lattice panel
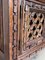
{"x": 33, "y": 25}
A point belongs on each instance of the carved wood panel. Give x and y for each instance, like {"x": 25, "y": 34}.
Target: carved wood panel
{"x": 27, "y": 20}
{"x": 14, "y": 13}
{"x": 32, "y": 27}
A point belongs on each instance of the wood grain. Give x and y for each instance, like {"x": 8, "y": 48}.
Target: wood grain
{"x": 10, "y": 27}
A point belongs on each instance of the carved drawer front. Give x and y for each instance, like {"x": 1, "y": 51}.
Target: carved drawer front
{"x": 28, "y": 19}
{"x": 33, "y": 24}
{"x": 32, "y": 27}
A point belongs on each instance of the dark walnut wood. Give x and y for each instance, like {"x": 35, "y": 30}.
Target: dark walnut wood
{"x": 41, "y": 1}
{"x": 37, "y": 0}
{"x": 1, "y": 29}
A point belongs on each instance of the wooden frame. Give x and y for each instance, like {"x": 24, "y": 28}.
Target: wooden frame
{"x": 6, "y": 28}
{"x": 5, "y": 17}
{"x": 31, "y": 51}
{"x": 1, "y": 29}
{"x": 10, "y": 28}
{"x": 14, "y": 30}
